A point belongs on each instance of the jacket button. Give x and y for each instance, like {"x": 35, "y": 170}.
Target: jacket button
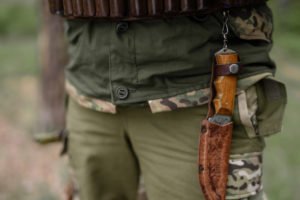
{"x": 122, "y": 27}
{"x": 122, "y": 93}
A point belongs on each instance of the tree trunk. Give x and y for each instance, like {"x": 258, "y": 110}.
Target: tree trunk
{"x": 53, "y": 58}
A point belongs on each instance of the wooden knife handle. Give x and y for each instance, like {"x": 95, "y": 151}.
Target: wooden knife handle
{"x": 225, "y": 86}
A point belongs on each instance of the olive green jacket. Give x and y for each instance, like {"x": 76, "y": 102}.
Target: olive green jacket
{"x": 164, "y": 63}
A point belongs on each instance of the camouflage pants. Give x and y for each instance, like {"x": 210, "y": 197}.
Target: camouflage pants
{"x": 109, "y": 152}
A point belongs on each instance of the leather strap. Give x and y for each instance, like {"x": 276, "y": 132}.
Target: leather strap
{"x": 228, "y": 69}
{"x": 130, "y": 10}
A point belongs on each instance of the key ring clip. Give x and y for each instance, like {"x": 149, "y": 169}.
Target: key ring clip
{"x": 225, "y": 29}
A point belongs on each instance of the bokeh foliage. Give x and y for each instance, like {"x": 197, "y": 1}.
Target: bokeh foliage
{"x": 18, "y": 18}
{"x": 287, "y": 15}
{"x": 287, "y": 25}
{"x": 18, "y": 37}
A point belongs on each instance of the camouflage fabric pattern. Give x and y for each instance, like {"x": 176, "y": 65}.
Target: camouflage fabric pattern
{"x": 186, "y": 100}
{"x": 198, "y": 97}
{"x": 245, "y": 176}
{"x": 190, "y": 99}
{"x": 91, "y": 103}
{"x": 245, "y": 83}
{"x": 252, "y": 23}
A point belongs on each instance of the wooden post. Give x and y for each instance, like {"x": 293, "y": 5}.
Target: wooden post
{"x": 53, "y": 58}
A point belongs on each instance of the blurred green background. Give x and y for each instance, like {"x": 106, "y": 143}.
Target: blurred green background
{"x": 29, "y": 171}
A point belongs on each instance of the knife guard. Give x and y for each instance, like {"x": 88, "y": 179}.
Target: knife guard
{"x": 214, "y": 152}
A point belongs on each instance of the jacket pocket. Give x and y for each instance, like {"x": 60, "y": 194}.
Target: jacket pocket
{"x": 272, "y": 100}
{"x": 77, "y": 34}
{"x": 252, "y": 23}
{"x": 74, "y": 30}
{"x": 260, "y": 108}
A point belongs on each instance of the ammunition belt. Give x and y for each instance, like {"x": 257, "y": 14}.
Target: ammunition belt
{"x": 140, "y": 9}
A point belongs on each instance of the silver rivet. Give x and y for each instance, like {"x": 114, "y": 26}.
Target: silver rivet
{"x": 234, "y": 68}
